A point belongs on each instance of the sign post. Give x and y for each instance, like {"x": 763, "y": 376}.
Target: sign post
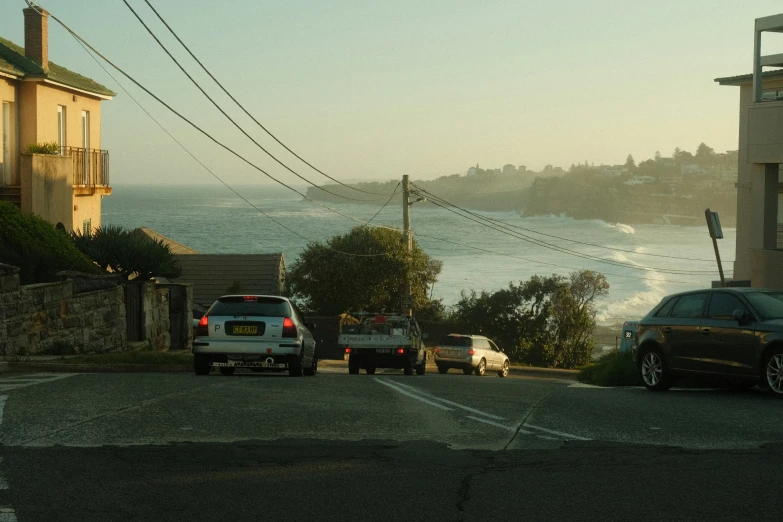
{"x": 716, "y": 232}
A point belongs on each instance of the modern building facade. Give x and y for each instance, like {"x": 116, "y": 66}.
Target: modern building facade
{"x": 44, "y": 103}
{"x": 759, "y": 255}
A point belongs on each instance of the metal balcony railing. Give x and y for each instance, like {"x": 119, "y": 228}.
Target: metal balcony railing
{"x": 90, "y": 166}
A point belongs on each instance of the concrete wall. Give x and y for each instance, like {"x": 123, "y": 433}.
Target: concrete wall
{"x": 760, "y": 141}
{"x": 47, "y": 187}
{"x": 44, "y": 318}
{"x": 8, "y": 94}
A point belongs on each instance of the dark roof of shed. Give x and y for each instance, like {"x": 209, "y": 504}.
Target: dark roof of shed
{"x": 212, "y": 275}
{"x": 13, "y": 61}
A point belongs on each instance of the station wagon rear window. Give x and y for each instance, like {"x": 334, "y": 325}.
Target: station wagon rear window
{"x": 247, "y": 306}
{"x": 453, "y": 340}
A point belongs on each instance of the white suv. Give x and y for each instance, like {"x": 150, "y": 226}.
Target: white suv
{"x": 254, "y": 331}
{"x": 471, "y": 353}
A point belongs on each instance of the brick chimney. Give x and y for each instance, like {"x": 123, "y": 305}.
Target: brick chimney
{"x": 36, "y": 36}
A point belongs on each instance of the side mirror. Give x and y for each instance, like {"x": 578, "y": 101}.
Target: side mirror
{"x": 739, "y": 315}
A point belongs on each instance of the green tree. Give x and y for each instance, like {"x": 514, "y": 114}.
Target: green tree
{"x": 705, "y": 154}
{"x": 629, "y": 162}
{"x": 347, "y": 274}
{"x": 545, "y": 321}
{"x": 130, "y": 253}
{"x": 37, "y": 248}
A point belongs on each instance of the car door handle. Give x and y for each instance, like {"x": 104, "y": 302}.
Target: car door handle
{"x": 705, "y": 331}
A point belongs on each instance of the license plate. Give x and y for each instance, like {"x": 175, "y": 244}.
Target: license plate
{"x": 453, "y": 353}
{"x": 245, "y": 330}
{"x": 383, "y": 350}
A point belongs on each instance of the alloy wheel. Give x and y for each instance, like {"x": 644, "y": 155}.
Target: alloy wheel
{"x": 652, "y": 368}
{"x": 775, "y": 373}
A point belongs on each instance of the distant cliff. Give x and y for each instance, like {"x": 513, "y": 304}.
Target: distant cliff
{"x": 625, "y": 199}
{"x": 491, "y": 192}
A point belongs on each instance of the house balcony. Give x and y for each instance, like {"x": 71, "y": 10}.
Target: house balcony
{"x": 65, "y": 188}
{"x": 90, "y": 170}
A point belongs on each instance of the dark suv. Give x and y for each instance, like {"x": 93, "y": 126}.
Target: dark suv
{"x": 736, "y": 333}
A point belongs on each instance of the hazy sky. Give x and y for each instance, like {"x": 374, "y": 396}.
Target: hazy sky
{"x": 377, "y": 89}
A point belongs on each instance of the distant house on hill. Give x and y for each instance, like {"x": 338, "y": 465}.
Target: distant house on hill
{"x": 509, "y": 169}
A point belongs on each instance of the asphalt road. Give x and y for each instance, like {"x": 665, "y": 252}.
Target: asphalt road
{"x": 385, "y": 447}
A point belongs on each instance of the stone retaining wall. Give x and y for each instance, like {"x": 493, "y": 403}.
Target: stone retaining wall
{"x": 48, "y": 319}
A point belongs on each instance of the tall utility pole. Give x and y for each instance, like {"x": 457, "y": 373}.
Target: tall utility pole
{"x": 407, "y": 239}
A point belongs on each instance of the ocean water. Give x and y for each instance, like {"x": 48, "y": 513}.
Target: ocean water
{"x": 211, "y": 219}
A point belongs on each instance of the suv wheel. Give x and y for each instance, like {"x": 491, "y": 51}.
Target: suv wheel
{"x": 654, "y": 373}
{"x": 504, "y": 371}
{"x": 773, "y": 372}
{"x": 481, "y": 368}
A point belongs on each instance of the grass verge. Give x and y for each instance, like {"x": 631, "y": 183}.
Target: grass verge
{"x": 613, "y": 369}
{"x": 151, "y": 358}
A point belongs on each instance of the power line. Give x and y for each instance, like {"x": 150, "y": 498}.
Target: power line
{"x": 243, "y": 108}
{"x": 210, "y": 170}
{"x": 196, "y": 127}
{"x": 544, "y": 263}
{"x": 569, "y": 252}
{"x": 538, "y": 242}
{"x": 384, "y": 205}
{"x": 563, "y": 238}
{"x": 224, "y": 113}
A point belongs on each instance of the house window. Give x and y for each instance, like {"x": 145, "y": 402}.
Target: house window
{"x": 61, "y": 136}
{"x": 86, "y": 227}
{"x": 85, "y": 129}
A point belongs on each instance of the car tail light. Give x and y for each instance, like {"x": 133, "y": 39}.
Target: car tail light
{"x": 400, "y": 350}
{"x": 289, "y": 328}
{"x": 203, "y": 327}
{"x": 436, "y": 349}
{"x": 471, "y": 351}
{"x": 347, "y": 350}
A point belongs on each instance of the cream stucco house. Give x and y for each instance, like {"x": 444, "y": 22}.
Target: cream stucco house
{"x": 759, "y": 255}
{"x": 43, "y": 102}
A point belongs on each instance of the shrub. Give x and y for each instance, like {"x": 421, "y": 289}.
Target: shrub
{"x": 615, "y": 368}
{"x": 37, "y": 248}
{"x": 130, "y": 253}
{"x": 43, "y": 148}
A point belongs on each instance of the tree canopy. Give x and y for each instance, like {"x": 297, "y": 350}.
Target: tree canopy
{"x": 545, "y": 321}
{"x": 365, "y": 269}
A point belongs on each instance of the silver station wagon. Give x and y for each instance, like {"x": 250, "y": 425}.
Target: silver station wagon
{"x": 472, "y": 354}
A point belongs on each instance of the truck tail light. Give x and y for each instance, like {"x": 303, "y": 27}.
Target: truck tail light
{"x": 289, "y": 328}
{"x": 400, "y": 350}
{"x": 202, "y": 329}
{"x": 347, "y": 349}
{"x": 436, "y": 349}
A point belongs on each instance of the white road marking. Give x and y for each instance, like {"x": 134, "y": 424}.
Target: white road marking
{"x": 585, "y": 385}
{"x": 451, "y": 403}
{"x": 14, "y": 383}
{"x": 553, "y": 432}
{"x": 417, "y": 397}
{"x": 498, "y": 425}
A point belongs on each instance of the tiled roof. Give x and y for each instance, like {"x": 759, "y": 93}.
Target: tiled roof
{"x": 174, "y": 247}
{"x": 214, "y": 275}
{"x": 745, "y": 78}
{"x": 13, "y": 61}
